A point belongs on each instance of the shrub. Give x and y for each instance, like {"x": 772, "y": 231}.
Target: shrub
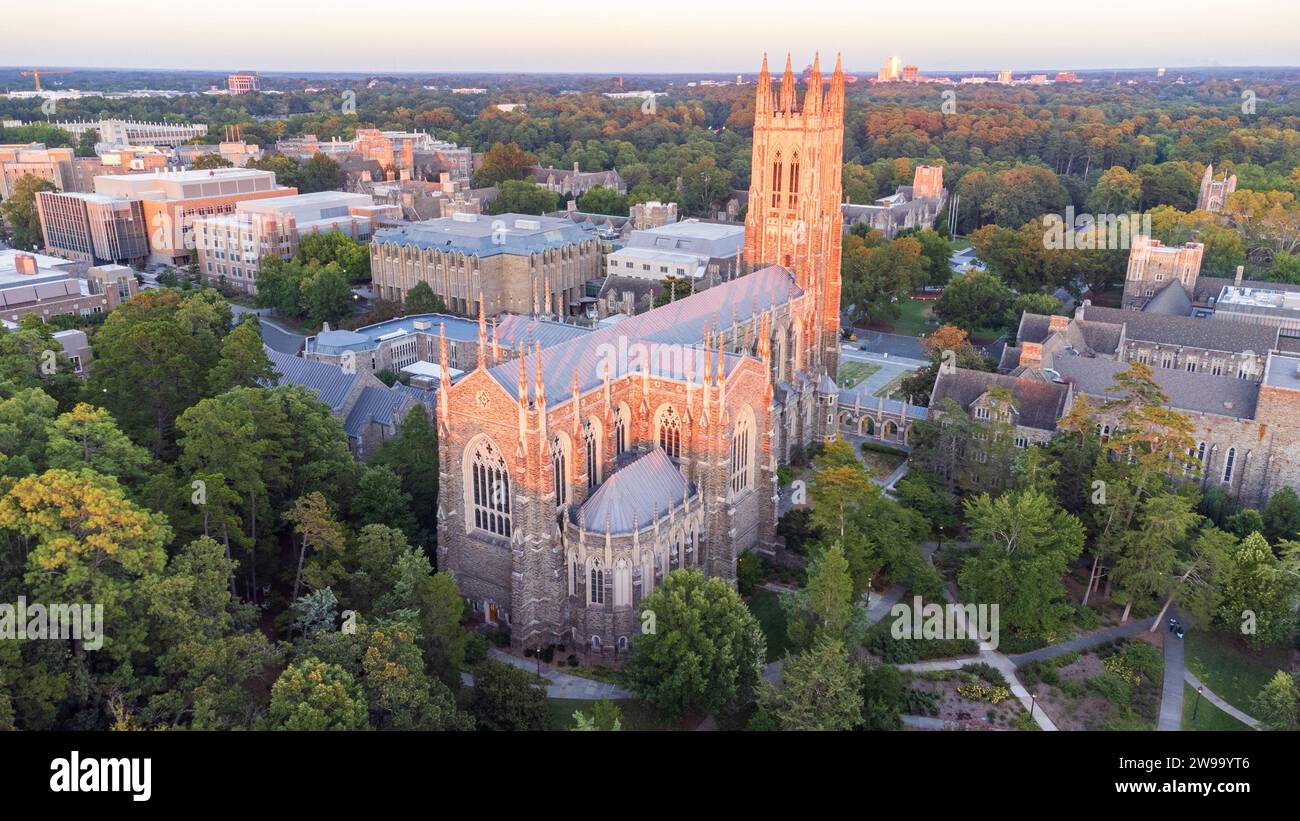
{"x": 476, "y": 648}
{"x": 979, "y": 691}
{"x": 987, "y": 672}
{"x": 749, "y": 570}
{"x": 1112, "y": 687}
{"x": 784, "y": 475}
{"x": 1074, "y": 688}
{"x": 1145, "y": 659}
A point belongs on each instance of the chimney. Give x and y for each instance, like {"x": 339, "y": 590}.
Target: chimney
{"x": 1241, "y": 269}
{"x": 25, "y": 264}
{"x": 575, "y": 166}
{"x": 1056, "y": 324}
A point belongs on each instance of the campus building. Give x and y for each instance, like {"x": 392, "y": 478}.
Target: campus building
{"x": 579, "y": 474}
{"x": 230, "y": 247}
{"x": 516, "y": 263}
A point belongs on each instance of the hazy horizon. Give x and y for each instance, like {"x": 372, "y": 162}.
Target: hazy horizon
{"x": 672, "y": 37}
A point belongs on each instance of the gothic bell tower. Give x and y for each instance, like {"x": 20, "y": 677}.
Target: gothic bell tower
{"x": 794, "y": 216}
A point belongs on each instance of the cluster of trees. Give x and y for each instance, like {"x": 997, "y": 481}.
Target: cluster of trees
{"x": 316, "y": 284}
{"x": 1153, "y": 537}
{"x": 878, "y": 274}
{"x": 252, "y": 573}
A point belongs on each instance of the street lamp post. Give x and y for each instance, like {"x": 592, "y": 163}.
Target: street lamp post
{"x": 1197, "y": 705}
{"x": 1033, "y": 700}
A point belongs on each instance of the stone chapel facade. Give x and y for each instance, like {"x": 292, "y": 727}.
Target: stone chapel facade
{"x": 574, "y": 477}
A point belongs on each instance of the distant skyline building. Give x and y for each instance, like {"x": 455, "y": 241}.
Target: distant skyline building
{"x": 245, "y": 82}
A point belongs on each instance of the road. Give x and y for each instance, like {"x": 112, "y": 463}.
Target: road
{"x": 276, "y": 337}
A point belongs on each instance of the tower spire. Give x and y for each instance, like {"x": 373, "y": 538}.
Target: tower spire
{"x": 482, "y": 332}
{"x": 763, "y": 99}
{"x": 787, "y": 87}
{"x": 812, "y": 101}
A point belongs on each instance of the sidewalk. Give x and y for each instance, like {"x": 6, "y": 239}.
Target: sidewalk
{"x": 562, "y": 685}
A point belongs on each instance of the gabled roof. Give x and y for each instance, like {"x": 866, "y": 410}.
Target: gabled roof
{"x": 331, "y": 383}
{"x": 372, "y": 405}
{"x": 1038, "y": 404}
{"x": 1202, "y": 392}
{"x": 1211, "y": 334}
{"x": 679, "y": 323}
{"x": 643, "y": 489}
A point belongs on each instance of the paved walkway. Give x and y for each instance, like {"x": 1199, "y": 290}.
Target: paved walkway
{"x": 1084, "y": 642}
{"x": 276, "y": 337}
{"x": 563, "y": 685}
{"x": 1171, "y": 699}
{"x": 1209, "y": 695}
{"x": 923, "y": 722}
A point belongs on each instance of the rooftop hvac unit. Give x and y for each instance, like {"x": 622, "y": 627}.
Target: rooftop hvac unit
{"x": 461, "y": 216}
{"x": 527, "y": 225}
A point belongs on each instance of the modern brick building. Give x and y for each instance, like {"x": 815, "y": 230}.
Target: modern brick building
{"x": 172, "y": 201}
{"x": 230, "y": 247}
{"x": 28, "y": 285}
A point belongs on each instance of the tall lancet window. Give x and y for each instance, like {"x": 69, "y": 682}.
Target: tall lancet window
{"x": 794, "y": 182}
{"x": 560, "y": 467}
{"x": 776, "y": 181}
{"x": 620, "y": 430}
{"x": 489, "y": 490}
{"x": 741, "y": 455}
{"x": 591, "y": 435}
{"x": 670, "y": 432}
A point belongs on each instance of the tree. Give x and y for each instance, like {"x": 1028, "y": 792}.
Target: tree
{"x": 287, "y": 170}
{"x": 87, "y": 141}
{"x": 1259, "y": 594}
{"x": 413, "y": 455}
{"x": 86, "y": 543}
{"x": 279, "y": 286}
{"x": 210, "y": 160}
{"x": 706, "y": 650}
{"x": 1146, "y": 554}
{"x": 321, "y": 173}
{"x": 25, "y": 419}
{"x": 703, "y": 184}
{"x": 313, "y": 695}
{"x": 606, "y": 716}
{"x": 507, "y": 698}
{"x": 88, "y": 437}
{"x": 1118, "y": 191}
{"x": 152, "y": 358}
{"x": 325, "y": 293}
{"x": 601, "y": 200}
{"x": 523, "y": 197}
{"x": 830, "y": 592}
{"x": 314, "y": 523}
{"x": 334, "y": 246}
{"x": 977, "y": 300}
{"x": 1282, "y": 515}
{"x": 243, "y": 362}
{"x": 422, "y": 300}
{"x": 19, "y": 211}
{"x": 672, "y": 289}
{"x": 1278, "y": 704}
{"x": 1025, "y": 546}
{"x": 821, "y": 690}
{"x": 503, "y": 162}
{"x": 380, "y": 500}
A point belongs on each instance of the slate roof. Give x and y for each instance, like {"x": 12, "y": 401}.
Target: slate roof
{"x": 486, "y": 235}
{"x": 426, "y": 398}
{"x": 1200, "y": 392}
{"x": 372, "y": 405}
{"x": 1038, "y": 404}
{"x": 1172, "y": 300}
{"x": 644, "y": 488}
{"x": 679, "y": 323}
{"x": 331, "y": 383}
{"x": 1210, "y": 334}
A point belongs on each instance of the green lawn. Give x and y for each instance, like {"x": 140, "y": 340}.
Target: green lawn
{"x": 766, "y": 607}
{"x": 1208, "y": 717}
{"x": 852, "y": 373}
{"x": 1229, "y": 668}
{"x": 637, "y": 715}
{"x": 913, "y": 317}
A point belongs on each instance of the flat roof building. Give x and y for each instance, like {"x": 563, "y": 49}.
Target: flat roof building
{"x": 230, "y": 247}
{"x": 519, "y": 263}
{"x": 171, "y": 201}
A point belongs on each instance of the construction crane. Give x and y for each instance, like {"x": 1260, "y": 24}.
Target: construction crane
{"x": 37, "y": 72}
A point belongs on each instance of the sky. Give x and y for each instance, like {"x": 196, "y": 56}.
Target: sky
{"x": 664, "y": 36}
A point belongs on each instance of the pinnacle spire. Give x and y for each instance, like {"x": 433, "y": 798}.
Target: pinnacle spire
{"x": 787, "y": 87}
{"x": 482, "y": 332}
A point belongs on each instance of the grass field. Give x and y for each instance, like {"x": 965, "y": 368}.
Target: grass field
{"x": 766, "y": 607}
{"x": 852, "y": 373}
{"x": 1208, "y": 717}
{"x": 914, "y": 318}
{"x": 1234, "y": 672}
